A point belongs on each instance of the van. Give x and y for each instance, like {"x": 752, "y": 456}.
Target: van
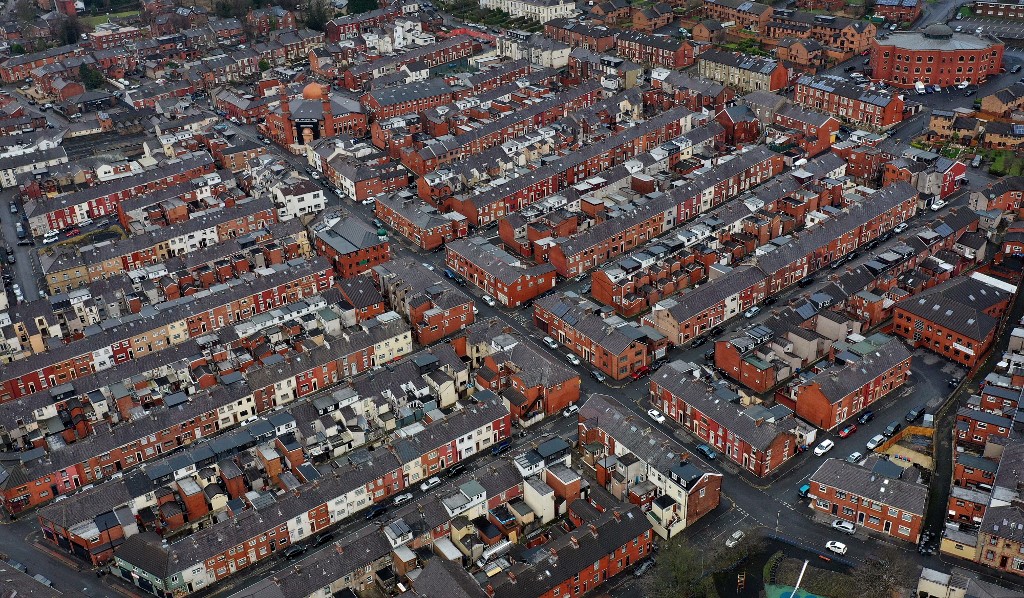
{"x": 892, "y": 429}
{"x": 976, "y": 162}
{"x": 804, "y": 491}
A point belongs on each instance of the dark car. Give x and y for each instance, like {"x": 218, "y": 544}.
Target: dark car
{"x": 700, "y": 340}
{"x": 707, "y": 451}
{"x": 769, "y": 300}
{"x": 456, "y": 470}
{"x": 866, "y": 416}
{"x": 914, "y": 414}
{"x": 293, "y": 551}
{"x": 324, "y": 538}
{"x": 376, "y": 512}
{"x": 716, "y": 331}
{"x": 806, "y": 282}
{"x": 709, "y": 355}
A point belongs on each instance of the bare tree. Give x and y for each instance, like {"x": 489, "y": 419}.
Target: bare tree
{"x": 681, "y": 572}
{"x": 887, "y": 573}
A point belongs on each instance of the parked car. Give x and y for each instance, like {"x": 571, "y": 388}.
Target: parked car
{"x": 753, "y": 311}
{"x": 892, "y": 429}
{"x": 854, "y": 457}
{"x": 323, "y": 538}
{"x": 376, "y": 512}
{"x": 489, "y": 300}
{"x": 700, "y": 340}
{"x": 804, "y": 491}
{"x": 455, "y": 470}
{"x": 430, "y": 483}
{"x": 848, "y": 431}
{"x": 401, "y": 499}
{"x": 844, "y": 526}
{"x": 571, "y": 410}
{"x": 736, "y": 537}
{"x": 938, "y": 204}
{"x": 19, "y": 230}
{"x": 598, "y": 375}
{"x": 707, "y": 451}
{"x": 506, "y": 445}
{"x": 644, "y": 567}
{"x": 716, "y": 331}
{"x": 914, "y": 414}
{"x": 866, "y": 417}
{"x": 14, "y": 207}
{"x": 550, "y": 342}
{"x": 976, "y": 162}
{"x": 640, "y": 372}
{"x": 902, "y": 226}
{"x": 293, "y": 551}
{"x": 825, "y": 446}
{"x": 875, "y": 442}
{"x": 836, "y": 547}
{"x": 51, "y": 236}
{"x": 571, "y": 358}
{"x": 656, "y": 415}
{"x": 72, "y": 232}
{"x": 369, "y": 201}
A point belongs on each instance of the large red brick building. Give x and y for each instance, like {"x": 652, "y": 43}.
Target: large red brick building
{"x": 420, "y": 223}
{"x": 654, "y": 50}
{"x": 874, "y": 498}
{"x": 352, "y": 246}
{"x": 957, "y": 319}
{"x": 758, "y": 439}
{"x": 497, "y": 272}
{"x": 841, "y": 98}
{"x": 935, "y": 56}
{"x": 838, "y": 393}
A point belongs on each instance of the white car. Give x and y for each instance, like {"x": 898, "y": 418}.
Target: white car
{"x": 85, "y": 222}
{"x": 314, "y": 174}
{"x": 656, "y": 415}
{"x": 938, "y": 204}
{"x": 550, "y": 342}
{"x": 428, "y": 266}
{"x": 825, "y": 446}
{"x": 734, "y": 539}
{"x": 964, "y": 85}
{"x": 836, "y": 547}
{"x": 401, "y": 499}
{"x": 844, "y": 526}
{"x": 571, "y": 410}
{"x": 875, "y": 442}
{"x": 571, "y": 358}
{"x": 855, "y": 457}
{"x": 50, "y": 237}
{"x": 369, "y": 201}
{"x": 902, "y": 226}
{"x": 434, "y": 481}
{"x": 489, "y": 300}
{"x": 753, "y": 311}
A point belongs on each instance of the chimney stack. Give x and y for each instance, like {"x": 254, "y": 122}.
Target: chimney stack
{"x": 617, "y": 514}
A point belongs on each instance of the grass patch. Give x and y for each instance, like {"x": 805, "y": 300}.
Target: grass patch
{"x": 816, "y": 581}
{"x": 101, "y": 19}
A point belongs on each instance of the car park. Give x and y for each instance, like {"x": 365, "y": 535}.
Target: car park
{"x": 430, "y": 483}
{"x": 571, "y": 358}
{"x": 825, "y": 446}
{"x": 844, "y": 526}
{"x": 836, "y": 547}
{"x": 875, "y": 442}
{"x": 656, "y": 415}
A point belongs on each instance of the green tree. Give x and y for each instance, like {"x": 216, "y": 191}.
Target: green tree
{"x": 70, "y": 30}
{"x": 358, "y": 6}
{"x": 92, "y": 78}
{"x": 681, "y": 573}
{"x": 17, "y": 49}
{"x": 264, "y": 65}
{"x": 317, "y": 13}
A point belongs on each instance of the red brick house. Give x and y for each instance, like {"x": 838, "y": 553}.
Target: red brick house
{"x": 366, "y": 301}
{"x": 957, "y": 319}
{"x": 654, "y": 50}
{"x": 581, "y": 35}
{"x": 878, "y": 501}
{"x": 420, "y": 223}
{"x": 498, "y": 273}
{"x": 839, "y": 97}
{"x": 617, "y": 351}
{"x": 264, "y": 20}
{"x": 972, "y": 471}
{"x": 816, "y": 130}
{"x": 741, "y": 125}
{"x": 533, "y": 384}
{"x": 836, "y": 394}
{"x": 975, "y": 427}
{"x": 898, "y": 11}
{"x": 352, "y": 246}
{"x": 434, "y": 307}
{"x": 758, "y": 439}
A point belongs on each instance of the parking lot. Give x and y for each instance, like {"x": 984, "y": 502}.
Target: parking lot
{"x": 1001, "y": 29}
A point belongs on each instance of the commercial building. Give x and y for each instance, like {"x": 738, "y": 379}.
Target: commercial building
{"x": 935, "y": 56}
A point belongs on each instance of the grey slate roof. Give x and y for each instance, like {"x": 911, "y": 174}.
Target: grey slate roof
{"x": 958, "y": 305}
{"x": 860, "y": 481}
{"x": 836, "y": 383}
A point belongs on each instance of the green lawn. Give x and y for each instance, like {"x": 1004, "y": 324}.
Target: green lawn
{"x": 100, "y": 19}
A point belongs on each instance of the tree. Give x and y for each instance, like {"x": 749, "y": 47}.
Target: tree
{"x": 92, "y": 78}
{"x": 70, "y": 30}
{"x": 318, "y": 12}
{"x": 17, "y": 49}
{"x": 358, "y": 6}
{"x": 681, "y": 573}
{"x": 264, "y": 65}
{"x": 886, "y": 573}
{"x": 25, "y": 11}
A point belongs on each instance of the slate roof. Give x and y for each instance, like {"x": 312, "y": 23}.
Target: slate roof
{"x": 416, "y": 90}
{"x": 712, "y": 293}
{"x": 838, "y": 382}
{"x": 862, "y": 482}
{"x": 578, "y": 314}
{"x": 497, "y": 262}
{"x": 958, "y": 305}
{"x": 741, "y": 61}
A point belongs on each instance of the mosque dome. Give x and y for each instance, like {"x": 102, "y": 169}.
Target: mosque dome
{"x": 313, "y": 91}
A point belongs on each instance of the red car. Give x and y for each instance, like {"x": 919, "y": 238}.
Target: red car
{"x": 847, "y": 431}
{"x": 73, "y": 232}
{"x": 641, "y": 372}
